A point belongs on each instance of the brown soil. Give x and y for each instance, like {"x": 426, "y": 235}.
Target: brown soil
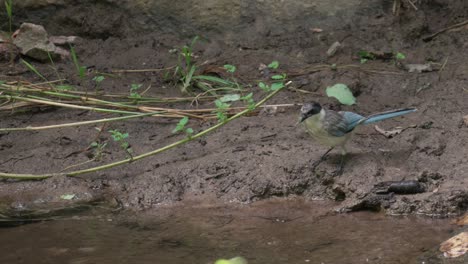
{"x": 262, "y": 156}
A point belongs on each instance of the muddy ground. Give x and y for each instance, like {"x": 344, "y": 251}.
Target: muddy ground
{"x": 267, "y": 155}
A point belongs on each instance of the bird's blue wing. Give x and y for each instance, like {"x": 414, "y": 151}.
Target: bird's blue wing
{"x": 352, "y": 119}
{"x": 340, "y": 123}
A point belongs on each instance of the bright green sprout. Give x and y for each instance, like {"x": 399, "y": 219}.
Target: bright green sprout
{"x": 230, "y": 68}
{"x": 120, "y": 137}
{"x": 134, "y": 90}
{"x": 273, "y": 65}
{"x": 181, "y": 127}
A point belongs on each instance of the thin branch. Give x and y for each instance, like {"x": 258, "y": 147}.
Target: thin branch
{"x": 105, "y": 120}
{"x": 139, "y": 157}
{"x": 432, "y": 36}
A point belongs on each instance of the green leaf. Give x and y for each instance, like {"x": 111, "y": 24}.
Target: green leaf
{"x": 230, "y": 98}
{"x": 135, "y": 86}
{"x": 400, "y": 56}
{"x": 273, "y": 65}
{"x": 230, "y": 68}
{"x": 189, "y": 131}
{"x": 276, "y": 86}
{"x": 98, "y": 78}
{"x": 2, "y": 82}
{"x": 221, "y": 105}
{"x": 366, "y": 55}
{"x": 263, "y": 86}
{"x": 67, "y": 196}
{"x": 342, "y": 93}
{"x": 236, "y": 260}
{"x": 363, "y": 61}
{"x": 181, "y": 125}
{"x": 247, "y": 97}
{"x": 278, "y": 77}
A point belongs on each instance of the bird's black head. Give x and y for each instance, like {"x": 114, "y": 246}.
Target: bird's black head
{"x": 309, "y": 109}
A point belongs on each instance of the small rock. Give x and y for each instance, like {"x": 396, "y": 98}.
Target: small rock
{"x": 33, "y": 41}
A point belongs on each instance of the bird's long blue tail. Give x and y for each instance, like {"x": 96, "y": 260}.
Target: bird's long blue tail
{"x": 386, "y": 115}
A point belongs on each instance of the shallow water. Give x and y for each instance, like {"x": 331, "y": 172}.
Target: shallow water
{"x": 270, "y": 232}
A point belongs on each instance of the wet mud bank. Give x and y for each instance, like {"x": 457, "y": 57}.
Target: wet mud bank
{"x": 265, "y": 155}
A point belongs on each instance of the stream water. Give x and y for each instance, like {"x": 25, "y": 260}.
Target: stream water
{"x": 271, "y": 232}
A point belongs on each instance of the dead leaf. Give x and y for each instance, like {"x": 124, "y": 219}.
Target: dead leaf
{"x": 465, "y": 120}
{"x": 316, "y": 30}
{"x": 389, "y": 133}
{"x": 463, "y": 220}
{"x": 333, "y": 49}
{"x": 419, "y": 67}
{"x": 455, "y": 246}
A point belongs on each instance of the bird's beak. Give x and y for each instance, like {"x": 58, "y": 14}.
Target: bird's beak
{"x": 301, "y": 120}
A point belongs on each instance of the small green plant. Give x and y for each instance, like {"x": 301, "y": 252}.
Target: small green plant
{"x": 279, "y": 80}
{"x": 185, "y": 72}
{"x": 181, "y": 127}
{"x": 186, "y": 69}
{"x": 364, "y": 56}
{"x": 98, "y": 149}
{"x": 273, "y": 65}
{"x": 400, "y": 56}
{"x": 81, "y": 70}
{"x": 221, "y": 108}
{"x": 9, "y": 10}
{"x": 230, "y": 68}
{"x": 248, "y": 99}
{"x": 134, "y": 94}
{"x": 120, "y": 138}
{"x": 98, "y": 80}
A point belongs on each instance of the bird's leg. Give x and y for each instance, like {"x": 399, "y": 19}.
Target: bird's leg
{"x": 315, "y": 164}
{"x": 340, "y": 169}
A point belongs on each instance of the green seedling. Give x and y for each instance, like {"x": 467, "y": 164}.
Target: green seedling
{"x": 120, "y": 138}
{"x": 186, "y": 69}
{"x": 185, "y": 72}
{"x": 98, "y": 149}
{"x": 273, "y": 65}
{"x": 9, "y": 10}
{"x": 400, "y": 56}
{"x": 230, "y": 68}
{"x": 81, "y": 70}
{"x": 269, "y": 88}
{"x": 98, "y": 80}
{"x": 134, "y": 90}
{"x": 248, "y": 99}
{"x": 279, "y": 79}
{"x": 220, "y": 111}
{"x": 364, "y": 56}
{"x": 181, "y": 127}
